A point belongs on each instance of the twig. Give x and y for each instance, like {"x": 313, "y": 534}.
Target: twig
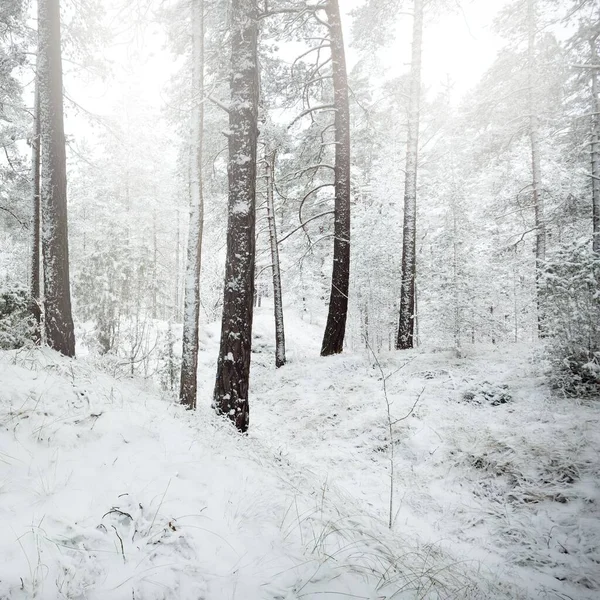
{"x": 161, "y": 501}
{"x": 121, "y": 541}
{"x": 390, "y": 430}
{"x": 410, "y": 412}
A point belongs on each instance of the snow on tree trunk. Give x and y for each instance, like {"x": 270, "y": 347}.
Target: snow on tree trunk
{"x": 277, "y": 295}
{"x": 60, "y": 334}
{"x": 35, "y": 275}
{"x": 233, "y": 364}
{"x": 595, "y": 146}
{"x": 335, "y": 329}
{"x": 406, "y": 325}
{"x": 536, "y": 181}
{"x": 191, "y": 311}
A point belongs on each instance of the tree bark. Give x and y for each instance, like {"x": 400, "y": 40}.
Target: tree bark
{"x": 277, "y": 294}
{"x": 60, "y": 333}
{"x": 595, "y": 148}
{"x": 335, "y": 329}
{"x": 406, "y": 324}
{"x": 191, "y": 319}
{"x": 233, "y": 365}
{"x": 35, "y": 275}
{"x": 538, "y": 201}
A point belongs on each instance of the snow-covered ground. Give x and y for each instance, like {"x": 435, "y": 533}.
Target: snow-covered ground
{"x": 108, "y": 490}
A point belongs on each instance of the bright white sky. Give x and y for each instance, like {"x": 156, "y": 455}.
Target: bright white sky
{"x": 458, "y": 44}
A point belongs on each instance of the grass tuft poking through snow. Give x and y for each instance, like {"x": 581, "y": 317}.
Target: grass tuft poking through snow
{"x": 109, "y": 491}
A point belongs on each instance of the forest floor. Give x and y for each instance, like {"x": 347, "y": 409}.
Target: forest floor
{"x": 110, "y": 491}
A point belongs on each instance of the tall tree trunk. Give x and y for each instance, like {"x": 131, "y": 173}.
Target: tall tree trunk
{"x": 35, "y": 275}
{"x": 154, "y": 266}
{"x": 277, "y": 295}
{"x": 60, "y": 333}
{"x": 191, "y": 313}
{"x": 536, "y": 182}
{"x": 406, "y": 324}
{"x": 595, "y": 146}
{"x": 233, "y": 365}
{"x": 177, "y": 267}
{"x": 333, "y": 339}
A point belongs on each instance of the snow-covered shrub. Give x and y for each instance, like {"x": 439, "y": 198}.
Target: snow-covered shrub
{"x": 571, "y": 312}
{"x": 488, "y": 393}
{"x": 16, "y": 327}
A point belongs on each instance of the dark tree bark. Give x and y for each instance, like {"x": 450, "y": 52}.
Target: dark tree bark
{"x": 233, "y": 365}
{"x": 277, "y": 294}
{"x": 35, "y": 275}
{"x": 191, "y": 319}
{"x": 406, "y": 325}
{"x": 60, "y": 334}
{"x": 333, "y": 339}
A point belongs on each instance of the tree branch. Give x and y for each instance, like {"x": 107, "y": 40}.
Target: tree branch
{"x": 302, "y": 225}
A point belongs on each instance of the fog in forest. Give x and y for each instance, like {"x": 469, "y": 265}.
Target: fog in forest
{"x": 299, "y": 299}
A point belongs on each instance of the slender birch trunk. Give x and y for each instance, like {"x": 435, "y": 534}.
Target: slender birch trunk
{"x": 60, "y": 333}
{"x": 595, "y": 146}
{"x": 406, "y": 325}
{"x": 277, "y": 295}
{"x": 35, "y": 275}
{"x": 191, "y": 313}
{"x": 335, "y": 329}
{"x": 233, "y": 364}
{"x": 536, "y": 181}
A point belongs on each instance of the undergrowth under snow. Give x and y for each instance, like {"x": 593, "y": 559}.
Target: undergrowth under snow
{"x": 110, "y": 491}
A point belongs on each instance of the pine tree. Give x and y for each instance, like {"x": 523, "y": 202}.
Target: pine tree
{"x": 35, "y": 274}
{"x": 335, "y": 329}
{"x": 406, "y": 325}
{"x": 233, "y": 364}
{"x": 534, "y": 135}
{"x": 191, "y": 312}
{"x": 275, "y": 263}
{"x": 60, "y": 333}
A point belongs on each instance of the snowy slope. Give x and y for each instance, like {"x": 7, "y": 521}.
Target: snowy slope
{"x": 110, "y": 491}
{"x": 513, "y": 485}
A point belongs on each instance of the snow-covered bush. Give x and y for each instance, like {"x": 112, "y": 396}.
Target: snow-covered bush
{"x": 16, "y": 327}
{"x": 571, "y": 312}
{"x": 487, "y": 393}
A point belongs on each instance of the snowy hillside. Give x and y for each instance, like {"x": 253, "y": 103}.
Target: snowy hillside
{"x": 111, "y": 491}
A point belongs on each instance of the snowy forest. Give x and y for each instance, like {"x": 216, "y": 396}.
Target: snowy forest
{"x": 299, "y": 299}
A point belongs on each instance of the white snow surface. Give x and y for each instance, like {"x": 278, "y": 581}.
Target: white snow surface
{"x": 109, "y": 490}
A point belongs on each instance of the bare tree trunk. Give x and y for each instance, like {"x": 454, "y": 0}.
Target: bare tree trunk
{"x": 191, "y": 312}
{"x": 333, "y": 339}
{"x": 595, "y": 147}
{"x": 538, "y": 201}
{"x": 60, "y": 333}
{"x": 277, "y": 295}
{"x": 177, "y": 266}
{"x": 233, "y": 365}
{"x": 154, "y": 266}
{"x": 455, "y": 276}
{"x": 35, "y": 283}
{"x": 406, "y": 325}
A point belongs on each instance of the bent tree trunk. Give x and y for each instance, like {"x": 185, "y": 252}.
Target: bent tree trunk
{"x": 60, "y": 334}
{"x": 191, "y": 312}
{"x": 406, "y": 325}
{"x": 277, "y": 295}
{"x": 335, "y": 329}
{"x": 233, "y": 364}
{"x": 35, "y": 274}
